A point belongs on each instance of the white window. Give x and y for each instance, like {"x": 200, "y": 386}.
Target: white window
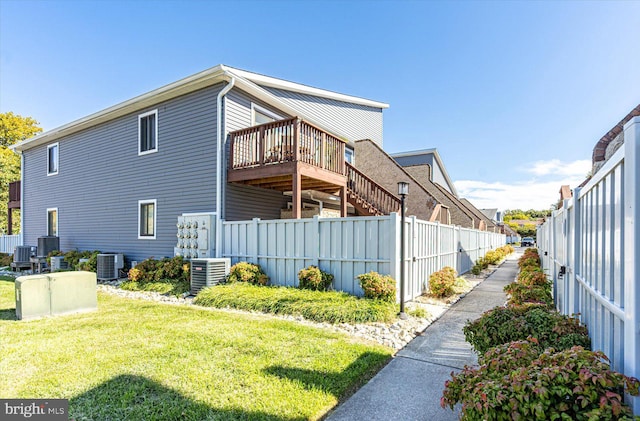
{"x": 148, "y": 132}
{"x": 147, "y": 219}
{"x": 52, "y": 221}
{"x": 261, "y": 115}
{"x": 52, "y": 159}
{"x": 348, "y": 155}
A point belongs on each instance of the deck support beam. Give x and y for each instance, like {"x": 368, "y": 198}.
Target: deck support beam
{"x": 296, "y": 195}
{"x": 343, "y": 201}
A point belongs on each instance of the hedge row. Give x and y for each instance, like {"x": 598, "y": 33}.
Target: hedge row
{"x": 535, "y": 363}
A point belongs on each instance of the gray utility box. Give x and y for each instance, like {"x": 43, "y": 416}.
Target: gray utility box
{"x": 55, "y": 294}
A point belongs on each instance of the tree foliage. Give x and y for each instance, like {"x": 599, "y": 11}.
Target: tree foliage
{"x": 13, "y": 129}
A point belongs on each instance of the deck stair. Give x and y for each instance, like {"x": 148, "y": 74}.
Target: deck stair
{"x": 367, "y": 196}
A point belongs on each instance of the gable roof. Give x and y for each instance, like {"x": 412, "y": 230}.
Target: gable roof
{"x": 247, "y": 81}
{"x": 490, "y": 213}
{"x": 600, "y": 149}
{"x": 489, "y": 223}
{"x": 436, "y": 155}
{"x": 442, "y": 195}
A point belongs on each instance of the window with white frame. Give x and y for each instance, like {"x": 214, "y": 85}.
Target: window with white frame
{"x": 52, "y": 159}
{"x": 52, "y": 221}
{"x": 147, "y": 219}
{"x": 348, "y": 155}
{"x": 260, "y": 115}
{"x": 148, "y": 132}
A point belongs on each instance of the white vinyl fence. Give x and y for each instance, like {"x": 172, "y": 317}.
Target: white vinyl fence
{"x": 595, "y": 240}
{"x": 347, "y": 247}
{"x": 8, "y": 243}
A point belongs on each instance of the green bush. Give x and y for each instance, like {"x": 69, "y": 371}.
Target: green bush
{"x": 442, "y": 282}
{"x": 91, "y": 265}
{"x": 314, "y": 279}
{"x": 480, "y": 265}
{"x": 163, "y": 270}
{"x": 501, "y": 325}
{"x": 5, "y": 259}
{"x": 248, "y": 272}
{"x": 523, "y": 294}
{"x": 378, "y": 287}
{"x": 319, "y": 306}
{"x": 493, "y": 257}
{"x": 521, "y": 381}
{"x": 73, "y": 257}
{"x": 535, "y": 277}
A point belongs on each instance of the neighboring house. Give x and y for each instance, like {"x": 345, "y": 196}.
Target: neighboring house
{"x": 493, "y": 214}
{"x": 117, "y": 179}
{"x": 437, "y": 172}
{"x": 381, "y": 168}
{"x": 611, "y": 141}
{"x": 486, "y": 224}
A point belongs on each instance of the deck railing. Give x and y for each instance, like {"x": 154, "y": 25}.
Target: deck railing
{"x": 371, "y": 192}
{"x": 291, "y": 140}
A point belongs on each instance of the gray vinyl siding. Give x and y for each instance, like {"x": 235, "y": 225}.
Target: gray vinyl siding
{"x": 437, "y": 176}
{"x": 354, "y": 121}
{"x": 101, "y": 179}
{"x": 245, "y": 202}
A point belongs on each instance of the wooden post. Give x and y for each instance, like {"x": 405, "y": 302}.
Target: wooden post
{"x": 343, "y": 201}
{"x": 261, "y": 145}
{"x": 9, "y": 221}
{"x": 296, "y": 195}
{"x": 296, "y": 141}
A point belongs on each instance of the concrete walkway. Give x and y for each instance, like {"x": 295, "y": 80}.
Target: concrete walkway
{"x": 410, "y": 386}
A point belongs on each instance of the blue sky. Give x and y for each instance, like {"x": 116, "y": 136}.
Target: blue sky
{"x": 514, "y": 95}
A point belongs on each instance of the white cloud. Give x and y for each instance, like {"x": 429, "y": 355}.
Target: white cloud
{"x": 530, "y": 194}
{"x": 578, "y": 168}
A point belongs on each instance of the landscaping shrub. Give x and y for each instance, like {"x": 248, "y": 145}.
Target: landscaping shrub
{"x": 319, "y": 306}
{"x": 248, "y": 272}
{"x": 493, "y": 257}
{"x": 73, "y": 257}
{"x": 534, "y": 277}
{"x": 91, "y": 265}
{"x": 314, "y": 279}
{"x": 501, "y": 325}
{"x": 5, "y": 259}
{"x": 166, "y": 276}
{"x": 418, "y": 312}
{"x": 530, "y": 257}
{"x": 163, "y": 270}
{"x": 480, "y": 265}
{"x": 378, "y": 287}
{"x": 523, "y": 294}
{"x": 520, "y": 381}
{"x": 442, "y": 282}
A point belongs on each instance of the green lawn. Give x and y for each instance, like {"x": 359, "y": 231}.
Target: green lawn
{"x": 139, "y": 360}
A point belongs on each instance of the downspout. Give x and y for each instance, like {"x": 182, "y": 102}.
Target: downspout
{"x": 21, "y": 198}
{"x": 220, "y": 151}
{"x": 319, "y": 202}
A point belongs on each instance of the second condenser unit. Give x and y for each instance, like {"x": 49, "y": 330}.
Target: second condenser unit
{"x": 208, "y": 272}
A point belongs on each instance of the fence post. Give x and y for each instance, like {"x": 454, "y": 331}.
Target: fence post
{"x": 632, "y": 252}
{"x": 394, "y": 251}
{"x": 576, "y": 237}
{"x": 255, "y": 239}
{"x": 316, "y": 231}
{"x": 439, "y": 254}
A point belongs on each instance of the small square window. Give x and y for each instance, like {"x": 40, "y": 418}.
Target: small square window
{"x": 261, "y": 115}
{"x": 52, "y": 221}
{"x": 52, "y": 159}
{"x": 148, "y": 132}
{"x": 147, "y": 219}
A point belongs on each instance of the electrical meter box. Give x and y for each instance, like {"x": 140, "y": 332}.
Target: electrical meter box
{"x": 196, "y": 235}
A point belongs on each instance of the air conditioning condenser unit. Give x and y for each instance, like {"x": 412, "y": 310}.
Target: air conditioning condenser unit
{"x": 107, "y": 266}
{"x": 208, "y": 272}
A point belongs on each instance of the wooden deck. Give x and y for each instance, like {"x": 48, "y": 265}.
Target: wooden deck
{"x": 289, "y": 155}
{"x": 293, "y": 155}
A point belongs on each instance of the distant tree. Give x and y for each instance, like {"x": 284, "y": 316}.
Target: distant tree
{"x": 13, "y": 129}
